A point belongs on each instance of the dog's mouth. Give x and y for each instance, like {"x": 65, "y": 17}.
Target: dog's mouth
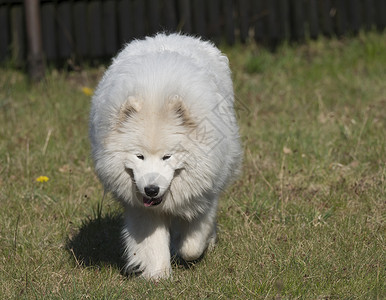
{"x": 151, "y": 201}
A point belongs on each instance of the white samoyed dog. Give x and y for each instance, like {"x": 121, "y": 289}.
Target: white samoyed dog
{"x": 165, "y": 143}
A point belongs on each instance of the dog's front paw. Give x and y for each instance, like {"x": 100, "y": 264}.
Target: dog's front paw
{"x": 156, "y": 274}
{"x": 147, "y": 270}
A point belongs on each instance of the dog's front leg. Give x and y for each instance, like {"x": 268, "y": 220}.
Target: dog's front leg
{"x": 146, "y": 240}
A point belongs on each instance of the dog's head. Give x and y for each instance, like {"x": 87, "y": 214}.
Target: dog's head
{"x": 153, "y": 138}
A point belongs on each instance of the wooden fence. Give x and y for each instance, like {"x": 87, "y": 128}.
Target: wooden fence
{"x": 88, "y": 29}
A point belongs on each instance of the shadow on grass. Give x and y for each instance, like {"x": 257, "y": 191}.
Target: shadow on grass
{"x": 98, "y": 242}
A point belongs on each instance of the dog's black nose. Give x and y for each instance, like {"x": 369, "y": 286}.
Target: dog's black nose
{"x": 151, "y": 190}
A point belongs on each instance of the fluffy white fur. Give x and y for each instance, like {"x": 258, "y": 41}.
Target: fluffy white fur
{"x": 162, "y": 124}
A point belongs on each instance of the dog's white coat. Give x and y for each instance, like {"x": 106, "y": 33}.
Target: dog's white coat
{"x": 163, "y": 115}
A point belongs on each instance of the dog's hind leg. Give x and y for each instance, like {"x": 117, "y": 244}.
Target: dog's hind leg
{"x": 191, "y": 238}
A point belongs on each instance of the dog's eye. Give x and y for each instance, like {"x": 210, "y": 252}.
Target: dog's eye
{"x": 140, "y": 156}
{"x": 166, "y": 157}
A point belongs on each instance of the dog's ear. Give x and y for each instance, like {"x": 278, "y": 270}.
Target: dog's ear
{"x": 178, "y": 108}
{"x": 128, "y": 109}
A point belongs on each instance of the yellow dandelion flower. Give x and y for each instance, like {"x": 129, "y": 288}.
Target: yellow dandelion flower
{"x": 42, "y": 179}
{"x": 87, "y": 91}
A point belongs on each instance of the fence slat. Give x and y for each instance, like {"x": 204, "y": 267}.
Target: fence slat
{"x": 139, "y": 18}
{"x": 326, "y": 10}
{"x": 354, "y": 18}
{"x": 380, "y": 14}
{"x": 153, "y": 13}
{"x": 283, "y": 19}
{"x": 214, "y": 20}
{"x": 368, "y": 14}
{"x": 259, "y": 17}
{"x": 65, "y": 36}
{"x": 297, "y": 20}
{"x": 49, "y": 31}
{"x": 313, "y": 18}
{"x": 95, "y": 28}
{"x": 18, "y": 46}
{"x": 80, "y": 29}
{"x": 229, "y": 21}
{"x": 341, "y": 17}
{"x": 199, "y": 18}
{"x": 243, "y": 14}
{"x": 126, "y": 25}
{"x": 185, "y": 24}
{"x": 169, "y": 12}
{"x": 4, "y": 29}
{"x": 110, "y": 27}
{"x": 273, "y": 23}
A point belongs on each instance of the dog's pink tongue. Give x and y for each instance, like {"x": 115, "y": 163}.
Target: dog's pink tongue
{"x": 147, "y": 202}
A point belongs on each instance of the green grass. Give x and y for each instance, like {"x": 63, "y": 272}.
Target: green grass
{"x": 305, "y": 220}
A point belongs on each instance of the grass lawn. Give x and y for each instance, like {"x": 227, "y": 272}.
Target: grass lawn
{"x": 305, "y": 220}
